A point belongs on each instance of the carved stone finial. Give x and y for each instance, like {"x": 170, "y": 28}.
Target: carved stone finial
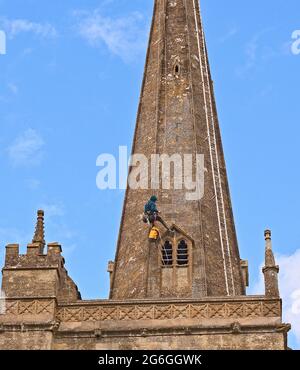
{"x": 268, "y": 234}
{"x": 270, "y": 269}
{"x": 39, "y": 234}
{"x": 269, "y": 256}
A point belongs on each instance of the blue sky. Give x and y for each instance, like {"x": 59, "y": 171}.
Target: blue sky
{"x": 69, "y": 88}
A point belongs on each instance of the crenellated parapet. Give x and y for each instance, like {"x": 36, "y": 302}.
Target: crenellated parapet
{"x": 33, "y": 258}
{"x": 33, "y": 284}
{"x": 35, "y": 273}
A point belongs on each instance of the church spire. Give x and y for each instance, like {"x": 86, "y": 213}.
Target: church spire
{"x": 177, "y": 115}
{"x": 39, "y": 234}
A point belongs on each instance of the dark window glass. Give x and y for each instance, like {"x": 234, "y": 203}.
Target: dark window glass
{"x": 182, "y": 253}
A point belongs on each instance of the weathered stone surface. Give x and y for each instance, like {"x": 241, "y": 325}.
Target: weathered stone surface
{"x": 47, "y": 313}
{"x": 37, "y": 275}
{"x": 173, "y": 341}
{"x": 199, "y": 304}
{"x": 177, "y": 114}
{"x": 219, "y": 323}
{"x": 219, "y": 308}
{"x": 25, "y": 340}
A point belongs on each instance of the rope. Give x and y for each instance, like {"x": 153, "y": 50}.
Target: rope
{"x": 202, "y": 259}
{"x": 162, "y": 249}
{"x": 210, "y": 149}
{"x": 217, "y": 160}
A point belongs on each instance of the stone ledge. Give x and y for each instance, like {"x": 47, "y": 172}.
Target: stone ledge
{"x": 25, "y": 327}
{"x": 248, "y": 298}
{"x": 234, "y": 328}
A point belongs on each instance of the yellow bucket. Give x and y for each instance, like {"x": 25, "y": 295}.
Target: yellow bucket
{"x": 154, "y": 234}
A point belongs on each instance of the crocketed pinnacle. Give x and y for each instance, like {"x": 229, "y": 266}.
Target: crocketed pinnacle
{"x": 39, "y": 234}
{"x": 269, "y": 255}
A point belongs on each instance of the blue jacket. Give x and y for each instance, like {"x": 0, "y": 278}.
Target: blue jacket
{"x": 151, "y": 207}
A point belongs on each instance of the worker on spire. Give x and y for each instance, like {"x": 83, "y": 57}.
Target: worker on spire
{"x": 151, "y": 213}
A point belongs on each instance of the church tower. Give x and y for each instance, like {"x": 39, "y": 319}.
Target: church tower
{"x": 187, "y": 289}
{"x": 177, "y": 116}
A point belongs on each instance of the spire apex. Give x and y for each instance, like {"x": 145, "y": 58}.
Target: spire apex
{"x": 39, "y": 234}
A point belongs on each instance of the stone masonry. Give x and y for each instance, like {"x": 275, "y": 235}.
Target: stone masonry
{"x": 177, "y": 115}
{"x": 187, "y": 290}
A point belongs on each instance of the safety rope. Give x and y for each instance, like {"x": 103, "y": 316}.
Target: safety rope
{"x": 211, "y": 149}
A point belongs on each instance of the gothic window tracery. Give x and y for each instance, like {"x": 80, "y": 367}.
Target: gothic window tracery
{"x": 182, "y": 253}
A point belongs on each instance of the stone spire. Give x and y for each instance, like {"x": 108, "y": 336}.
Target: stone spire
{"x": 39, "y": 234}
{"x": 177, "y": 115}
{"x": 270, "y": 270}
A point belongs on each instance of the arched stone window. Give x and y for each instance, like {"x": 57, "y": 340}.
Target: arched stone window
{"x": 167, "y": 253}
{"x": 176, "y": 69}
{"x": 182, "y": 253}
{"x": 175, "y": 259}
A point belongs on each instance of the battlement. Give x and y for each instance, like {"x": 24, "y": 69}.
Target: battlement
{"x": 33, "y": 257}
{"x": 38, "y": 274}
